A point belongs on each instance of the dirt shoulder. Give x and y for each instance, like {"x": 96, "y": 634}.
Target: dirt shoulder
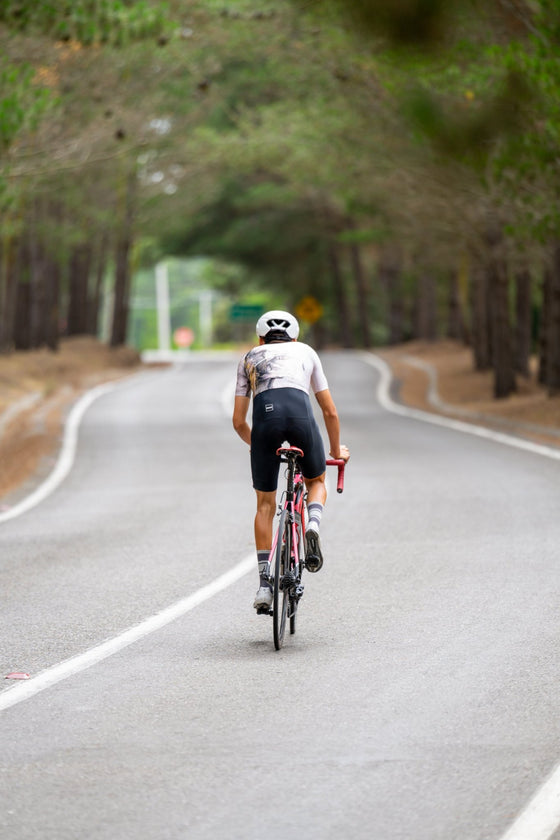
{"x": 439, "y": 377}
{"x": 37, "y": 390}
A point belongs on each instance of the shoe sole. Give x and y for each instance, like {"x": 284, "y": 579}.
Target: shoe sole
{"x": 313, "y": 548}
{"x": 263, "y": 605}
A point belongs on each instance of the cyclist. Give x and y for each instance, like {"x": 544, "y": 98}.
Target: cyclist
{"x": 279, "y": 374}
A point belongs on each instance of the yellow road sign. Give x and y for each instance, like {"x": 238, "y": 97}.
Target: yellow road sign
{"x": 309, "y": 309}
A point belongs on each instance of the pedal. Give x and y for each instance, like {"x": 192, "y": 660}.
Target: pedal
{"x": 264, "y": 611}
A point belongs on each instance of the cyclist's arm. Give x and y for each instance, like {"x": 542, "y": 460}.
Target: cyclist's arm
{"x": 330, "y": 416}
{"x": 240, "y": 409}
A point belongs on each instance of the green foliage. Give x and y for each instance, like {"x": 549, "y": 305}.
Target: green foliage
{"x": 114, "y": 22}
{"x": 465, "y": 129}
{"x": 245, "y": 9}
{"x": 22, "y": 103}
{"x": 263, "y": 227}
{"x": 246, "y": 84}
{"x": 264, "y": 129}
{"x": 362, "y": 236}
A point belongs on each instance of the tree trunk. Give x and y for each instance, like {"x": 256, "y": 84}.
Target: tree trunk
{"x": 426, "y": 307}
{"x": 522, "y": 322}
{"x": 545, "y": 325}
{"x": 501, "y": 331}
{"x": 52, "y": 305}
{"x": 390, "y": 277}
{"x": 80, "y": 264}
{"x": 22, "y": 306}
{"x": 362, "y": 295}
{"x": 480, "y": 320}
{"x": 8, "y": 267}
{"x": 456, "y": 325}
{"x": 341, "y": 299}
{"x": 95, "y": 302}
{"x": 37, "y": 300}
{"x": 53, "y": 281}
{"x": 3, "y": 295}
{"x": 122, "y": 266}
{"x": 553, "y": 379}
{"x": 22, "y": 331}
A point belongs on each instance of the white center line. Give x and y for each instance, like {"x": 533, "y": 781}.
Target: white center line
{"x": 90, "y": 657}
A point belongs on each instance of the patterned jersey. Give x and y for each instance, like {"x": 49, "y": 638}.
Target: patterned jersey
{"x": 289, "y": 364}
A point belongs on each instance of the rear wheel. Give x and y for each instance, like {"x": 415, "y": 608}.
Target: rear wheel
{"x": 281, "y": 594}
{"x": 295, "y": 601}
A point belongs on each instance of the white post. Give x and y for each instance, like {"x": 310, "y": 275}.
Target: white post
{"x": 205, "y": 317}
{"x": 162, "y": 302}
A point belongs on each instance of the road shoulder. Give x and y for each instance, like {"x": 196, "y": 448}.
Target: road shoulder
{"x": 439, "y": 378}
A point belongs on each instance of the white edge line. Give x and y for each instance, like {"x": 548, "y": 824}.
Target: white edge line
{"x": 66, "y": 456}
{"x": 541, "y": 816}
{"x": 467, "y": 428}
{"x": 78, "y": 663}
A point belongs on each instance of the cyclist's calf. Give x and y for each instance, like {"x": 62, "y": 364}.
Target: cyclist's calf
{"x": 266, "y": 510}
{"x": 316, "y": 489}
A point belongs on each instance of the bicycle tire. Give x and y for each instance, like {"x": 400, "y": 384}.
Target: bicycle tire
{"x": 294, "y": 602}
{"x": 281, "y": 596}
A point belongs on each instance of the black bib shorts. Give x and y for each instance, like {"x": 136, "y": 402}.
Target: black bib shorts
{"x": 283, "y": 414}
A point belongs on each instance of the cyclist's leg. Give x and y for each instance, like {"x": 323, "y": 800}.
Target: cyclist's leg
{"x": 316, "y": 498}
{"x": 264, "y": 469}
{"x": 316, "y": 489}
{"x": 266, "y": 508}
{"x": 305, "y": 434}
{"x": 264, "y": 517}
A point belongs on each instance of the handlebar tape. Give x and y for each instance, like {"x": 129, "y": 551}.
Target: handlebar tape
{"x": 338, "y": 462}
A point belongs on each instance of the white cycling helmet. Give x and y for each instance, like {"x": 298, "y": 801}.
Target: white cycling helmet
{"x": 277, "y": 321}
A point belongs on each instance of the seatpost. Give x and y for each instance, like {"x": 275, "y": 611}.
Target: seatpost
{"x": 291, "y": 471}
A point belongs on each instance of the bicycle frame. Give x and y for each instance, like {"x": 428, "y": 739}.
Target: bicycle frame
{"x": 293, "y": 501}
{"x": 288, "y": 546}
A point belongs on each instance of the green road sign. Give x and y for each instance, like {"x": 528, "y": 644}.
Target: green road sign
{"x": 245, "y": 312}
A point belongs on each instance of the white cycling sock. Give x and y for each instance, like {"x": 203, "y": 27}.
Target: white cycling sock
{"x": 315, "y": 510}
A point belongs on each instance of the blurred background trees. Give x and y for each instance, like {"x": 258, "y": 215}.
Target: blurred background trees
{"x": 390, "y": 168}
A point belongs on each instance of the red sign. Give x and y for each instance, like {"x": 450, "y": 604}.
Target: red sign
{"x": 183, "y": 336}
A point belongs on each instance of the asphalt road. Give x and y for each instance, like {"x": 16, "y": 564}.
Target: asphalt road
{"x": 418, "y": 699}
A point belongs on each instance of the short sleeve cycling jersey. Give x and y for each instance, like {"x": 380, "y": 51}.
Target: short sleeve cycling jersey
{"x": 289, "y": 364}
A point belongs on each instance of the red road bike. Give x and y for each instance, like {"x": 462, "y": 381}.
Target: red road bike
{"x": 287, "y": 556}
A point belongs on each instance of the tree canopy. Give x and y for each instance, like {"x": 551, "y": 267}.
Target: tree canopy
{"x": 397, "y": 161}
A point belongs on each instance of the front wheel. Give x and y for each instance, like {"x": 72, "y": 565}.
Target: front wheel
{"x": 281, "y": 594}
